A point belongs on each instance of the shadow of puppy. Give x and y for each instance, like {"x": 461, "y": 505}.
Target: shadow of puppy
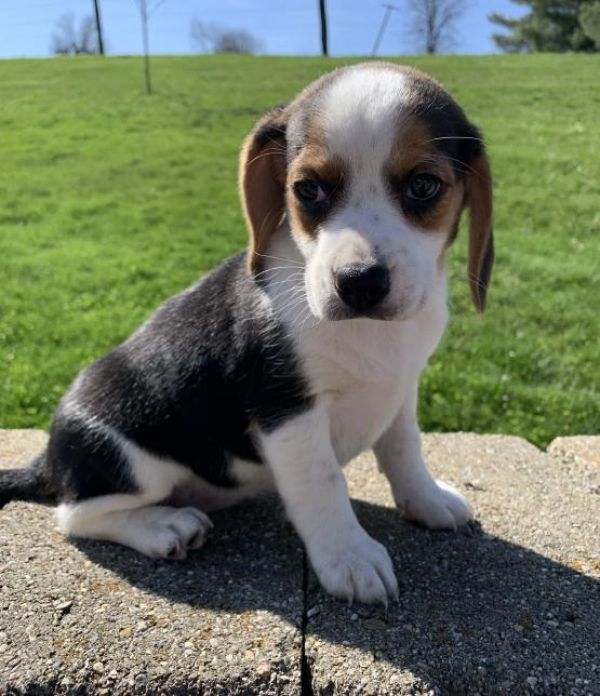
{"x": 476, "y": 613}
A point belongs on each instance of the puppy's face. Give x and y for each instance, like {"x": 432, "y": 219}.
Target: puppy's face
{"x": 372, "y": 165}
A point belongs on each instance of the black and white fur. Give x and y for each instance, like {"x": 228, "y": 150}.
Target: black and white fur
{"x": 258, "y": 377}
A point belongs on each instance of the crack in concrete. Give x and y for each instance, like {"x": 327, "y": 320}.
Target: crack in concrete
{"x": 306, "y": 678}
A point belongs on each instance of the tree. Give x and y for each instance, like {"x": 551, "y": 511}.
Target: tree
{"x": 67, "y": 40}
{"x": 219, "y": 39}
{"x": 550, "y": 25}
{"x": 589, "y": 18}
{"x": 147, "y": 9}
{"x": 434, "y": 21}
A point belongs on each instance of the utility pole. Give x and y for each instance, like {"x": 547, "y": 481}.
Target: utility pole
{"x": 323, "y": 15}
{"x": 386, "y": 18}
{"x": 98, "y": 27}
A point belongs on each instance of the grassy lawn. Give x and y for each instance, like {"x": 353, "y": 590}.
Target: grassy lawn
{"x": 110, "y": 201}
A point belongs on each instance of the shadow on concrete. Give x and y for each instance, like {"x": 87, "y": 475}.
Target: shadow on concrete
{"x": 477, "y": 614}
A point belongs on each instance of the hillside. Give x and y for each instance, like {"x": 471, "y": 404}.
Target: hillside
{"x": 111, "y": 200}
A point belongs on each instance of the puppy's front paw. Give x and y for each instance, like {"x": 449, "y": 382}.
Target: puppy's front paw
{"x": 438, "y": 506}
{"x": 355, "y": 568}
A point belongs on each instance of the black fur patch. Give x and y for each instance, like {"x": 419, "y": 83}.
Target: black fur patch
{"x": 457, "y": 138}
{"x": 84, "y": 463}
{"x": 190, "y": 385}
{"x": 272, "y": 128}
{"x": 26, "y": 483}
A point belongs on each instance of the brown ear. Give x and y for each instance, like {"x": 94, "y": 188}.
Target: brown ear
{"x": 478, "y": 198}
{"x": 262, "y": 182}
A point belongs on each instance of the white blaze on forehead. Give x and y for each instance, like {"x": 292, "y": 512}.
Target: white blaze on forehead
{"x": 360, "y": 113}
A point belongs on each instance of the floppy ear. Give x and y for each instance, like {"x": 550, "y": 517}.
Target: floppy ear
{"x": 478, "y": 198}
{"x": 262, "y": 182}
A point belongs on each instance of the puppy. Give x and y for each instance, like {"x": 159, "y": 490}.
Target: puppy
{"x": 291, "y": 358}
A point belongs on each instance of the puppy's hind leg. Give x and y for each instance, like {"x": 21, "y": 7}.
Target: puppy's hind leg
{"x": 138, "y": 519}
{"x": 158, "y": 531}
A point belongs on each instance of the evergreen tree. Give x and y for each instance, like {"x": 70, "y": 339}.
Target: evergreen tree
{"x": 589, "y": 16}
{"x": 550, "y": 25}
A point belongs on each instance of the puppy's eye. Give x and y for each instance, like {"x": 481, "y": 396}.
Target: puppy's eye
{"x": 309, "y": 191}
{"x": 423, "y": 187}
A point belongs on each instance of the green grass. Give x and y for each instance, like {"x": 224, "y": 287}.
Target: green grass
{"x": 111, "y": 200}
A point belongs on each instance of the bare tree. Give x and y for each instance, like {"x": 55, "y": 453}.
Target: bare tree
{"x": 147, "y": 9}
{"x": 69, "y": 40}
{"x": 218, "y": 39}
{"x": 434, "y": 21}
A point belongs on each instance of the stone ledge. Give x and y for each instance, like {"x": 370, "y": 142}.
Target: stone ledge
{"x": 508, "y": 605}
{"x": 583, "y": 447}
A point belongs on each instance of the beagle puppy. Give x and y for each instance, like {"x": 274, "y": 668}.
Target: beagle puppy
{"x": 280, "y": 366}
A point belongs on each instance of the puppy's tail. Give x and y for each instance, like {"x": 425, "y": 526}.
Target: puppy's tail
{"x": 27, "y": 483}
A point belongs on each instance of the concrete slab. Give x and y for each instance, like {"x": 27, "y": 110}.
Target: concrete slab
{"x": 508, "y": 605}
{"x": 580, "y": 446}
{"x": 94, "y": 618}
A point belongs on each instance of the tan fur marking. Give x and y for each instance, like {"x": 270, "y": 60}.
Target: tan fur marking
{"x": 411, "y": 147}
{"x": 262, "y": 190}
{"x": 445, "y": 213}
{"x": 478, "y": 198}
{"x": 316, "y": 163}
{"x": 414, "y": 152}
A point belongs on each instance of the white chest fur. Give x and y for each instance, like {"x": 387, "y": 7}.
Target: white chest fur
{"x": 363, "y": 369}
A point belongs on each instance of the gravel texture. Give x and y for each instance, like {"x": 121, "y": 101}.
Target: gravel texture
{"x": 508, "y": 605}
{"x": 95, "y": 618}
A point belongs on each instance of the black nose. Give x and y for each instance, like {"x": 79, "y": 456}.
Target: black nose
{"x": 362, "y": 287}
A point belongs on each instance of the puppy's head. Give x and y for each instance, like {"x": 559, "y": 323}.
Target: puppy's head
{"x": 372, "y": 166}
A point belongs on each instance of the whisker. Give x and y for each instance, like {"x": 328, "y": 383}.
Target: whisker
{"x": 266, "y": 221}
{"x": 276, "y": 143}
{"x": 277, "y": 258}
{"x": 278, "y": 268}
{"x": 308, "y": 317}
{"x": 458, "y": 161}
{"x": 477, "y": 281}
{"x": 296, "y": 275}
{"x": 293, "y": 303}
{"x": 455, "y": 137}
{"x": 286, "y": 281}
{"x": 295, "y": 281}
{"x": 265, "y": 153}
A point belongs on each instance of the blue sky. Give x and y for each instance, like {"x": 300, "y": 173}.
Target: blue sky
{"x": 283, "y": 26}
